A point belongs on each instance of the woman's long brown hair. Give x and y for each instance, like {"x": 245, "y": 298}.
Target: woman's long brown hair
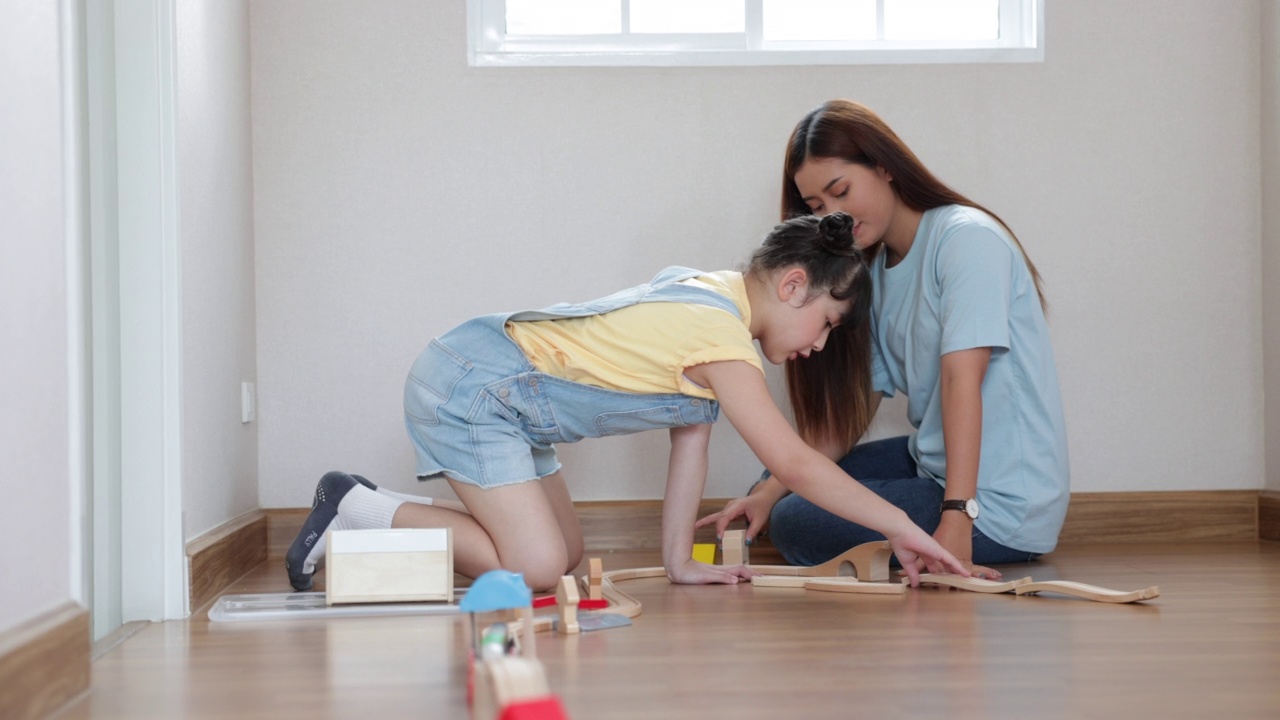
{"x": 830, "y": 391}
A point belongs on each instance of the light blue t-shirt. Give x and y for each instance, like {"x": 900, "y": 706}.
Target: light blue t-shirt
{"x": 964, "y": 284}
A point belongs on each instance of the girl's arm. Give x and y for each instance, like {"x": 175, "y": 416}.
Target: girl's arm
{"x": 960, "y": 381}
{"x": 745, "y": 400}
{"x": 758, "y": 503}
{"x": 686, "y": 477}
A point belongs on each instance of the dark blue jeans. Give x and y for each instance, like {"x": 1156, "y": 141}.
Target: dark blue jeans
{"x": 806, "y": 534}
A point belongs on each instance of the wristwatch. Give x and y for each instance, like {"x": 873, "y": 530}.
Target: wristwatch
{"x": 968, "y": 507}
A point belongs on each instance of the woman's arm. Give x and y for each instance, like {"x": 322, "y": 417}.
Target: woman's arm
{"x": 686, "y": 477}
{"x": 960, "y": 381}
{"x": 745, "y": 400}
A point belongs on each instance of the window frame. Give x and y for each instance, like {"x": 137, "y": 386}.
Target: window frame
{"x": 488, "y": 45}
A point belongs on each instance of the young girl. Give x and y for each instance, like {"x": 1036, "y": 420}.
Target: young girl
{"x": 486, "y": 403}
{"x": 957, "y": 324}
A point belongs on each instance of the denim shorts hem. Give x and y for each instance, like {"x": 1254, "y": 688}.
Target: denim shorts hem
{"x": 456, "y": 477}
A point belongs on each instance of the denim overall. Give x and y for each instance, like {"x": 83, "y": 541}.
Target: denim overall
{"x": 478, "y": 410}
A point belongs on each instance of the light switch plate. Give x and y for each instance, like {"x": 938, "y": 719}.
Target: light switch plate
{"x": 248, "y": 403}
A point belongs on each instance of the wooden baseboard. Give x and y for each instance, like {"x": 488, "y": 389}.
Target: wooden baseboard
{"x": 225, "y": 553}
{"x": 44, "y": 663}
{"x": 283, "y": 525}
{"x": 1269, "y": 515}
{"x": 1093, "y": 518}
{"x": 1145, "y": 517}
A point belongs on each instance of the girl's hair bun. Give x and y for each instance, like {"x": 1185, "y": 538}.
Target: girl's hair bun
{"x": 835, "y": 233}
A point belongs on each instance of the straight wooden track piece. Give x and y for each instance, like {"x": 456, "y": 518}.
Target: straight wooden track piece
{"x": 851, "y": 585}
{"x": 734, "y": 548}
{"x": 779, "y": 581}
{"x": 567, "y": 605}
{"x": 869, "y": 562}
{"x": 971, "y": 584}
{"x": 502, "y": 681}
{"x": 1088, "y": 592}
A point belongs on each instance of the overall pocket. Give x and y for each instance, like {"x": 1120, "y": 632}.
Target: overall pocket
{"x": 431, "y": 382}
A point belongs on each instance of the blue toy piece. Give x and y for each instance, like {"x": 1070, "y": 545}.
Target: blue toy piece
{"x": 497, "y": 590}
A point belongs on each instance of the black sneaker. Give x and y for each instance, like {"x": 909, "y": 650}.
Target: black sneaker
{"x": 308, "y": 546}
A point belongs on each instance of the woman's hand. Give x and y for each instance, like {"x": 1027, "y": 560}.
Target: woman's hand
{"x": 692, "y": 572}
{"x": 755, "y": 508}
{"x": 916, "y": 550}
{"x": 955, "y": 534}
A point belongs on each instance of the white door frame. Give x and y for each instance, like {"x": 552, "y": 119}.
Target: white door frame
{"x": 138, "y": 228}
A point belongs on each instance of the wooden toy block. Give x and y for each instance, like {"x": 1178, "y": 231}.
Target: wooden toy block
{"x": 782, "y": 581}
{"x": 851, "y": 585}
{"x": 1088, "y": 592}
{"x": 392, "y": 565}
{"x": 971, "y": 584}
{"x": 567, "y": 605}
{"x": 734, "y": 548}
{"x": 594, "y": 576}
{"x": 705, "y": 553}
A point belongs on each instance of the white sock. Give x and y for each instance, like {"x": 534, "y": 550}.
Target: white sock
{"x": 360, "y": 509}
{"x": 364, "y": 509}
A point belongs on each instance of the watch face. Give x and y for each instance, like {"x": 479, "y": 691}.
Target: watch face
{"x": 971, "y": 508}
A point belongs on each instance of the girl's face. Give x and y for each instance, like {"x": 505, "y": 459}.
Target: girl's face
{"x": 833, "y": 184}
{"x": 800, "y": 327}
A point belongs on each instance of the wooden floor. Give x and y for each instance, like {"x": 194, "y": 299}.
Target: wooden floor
{"x": 1208, "y": 647}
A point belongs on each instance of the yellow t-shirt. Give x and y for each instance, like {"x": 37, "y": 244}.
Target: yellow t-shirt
{"x": 644, "y": 348}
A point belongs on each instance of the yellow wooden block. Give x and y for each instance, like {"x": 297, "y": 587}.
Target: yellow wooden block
{"x": 705, "y": 553}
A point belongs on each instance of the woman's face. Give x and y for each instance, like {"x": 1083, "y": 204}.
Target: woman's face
{"x": 832, "y": 184}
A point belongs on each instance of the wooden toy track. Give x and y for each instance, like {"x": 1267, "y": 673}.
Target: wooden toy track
{"x": 1088, "y": 592}
{"x": 971, "y": 584}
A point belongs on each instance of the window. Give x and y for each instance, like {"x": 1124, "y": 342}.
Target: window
{"x": 753, "y": 32}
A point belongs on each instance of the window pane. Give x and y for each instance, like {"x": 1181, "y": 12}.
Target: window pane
{"x": 688, "y": 16}
{"x": 817, "y": 20}
{"x": 564, "y": 17}
{"x": 941, "y": 19}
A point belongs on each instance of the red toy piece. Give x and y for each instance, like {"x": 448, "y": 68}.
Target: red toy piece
{"x": 583, "y": 604}
{"x": 543, "y": 708}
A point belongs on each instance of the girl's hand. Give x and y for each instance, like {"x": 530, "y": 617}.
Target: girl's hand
{"x": 692, "y": 572}
{"x": 755, "y": 508}
{"x": 915, "y": 549}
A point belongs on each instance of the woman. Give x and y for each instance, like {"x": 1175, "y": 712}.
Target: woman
{"x": 958, "y": 325}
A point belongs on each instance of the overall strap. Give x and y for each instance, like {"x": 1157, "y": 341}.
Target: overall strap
{"x": 664, "y": 287}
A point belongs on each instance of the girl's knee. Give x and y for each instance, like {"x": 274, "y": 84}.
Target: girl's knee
{"x": 541, "y": 571}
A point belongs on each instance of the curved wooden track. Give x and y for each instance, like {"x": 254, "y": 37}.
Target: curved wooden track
{"x": 869, "y": 562}
{"x": 1089, "y": 592}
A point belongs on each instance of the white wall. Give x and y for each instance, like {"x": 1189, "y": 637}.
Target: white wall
{"x": 398, "y": 192}
{"x": 219, "y": 453}
{"x": 1271, "y": 232}
{"x": 35, "y": 516}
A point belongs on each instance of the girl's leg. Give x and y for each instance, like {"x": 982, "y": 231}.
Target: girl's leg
{"x": 558, "y": 495}
{"x": 514, "y": 527}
